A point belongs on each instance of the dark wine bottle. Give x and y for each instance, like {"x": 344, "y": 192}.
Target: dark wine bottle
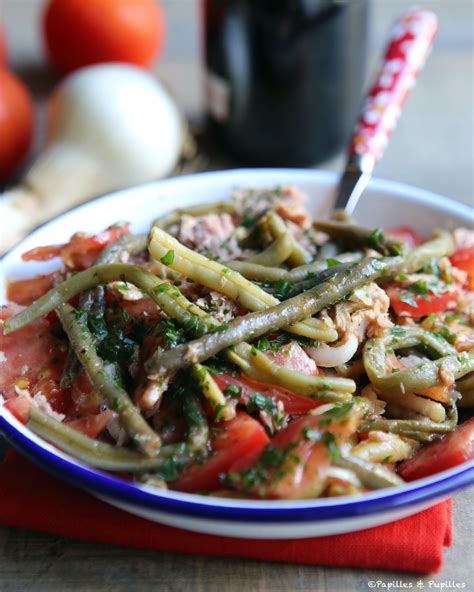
{"x": 284, "y": 77}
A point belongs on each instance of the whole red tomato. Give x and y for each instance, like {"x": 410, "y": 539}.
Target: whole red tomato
{"x": 16, "y": 122}
{"x": 83, "y": 32}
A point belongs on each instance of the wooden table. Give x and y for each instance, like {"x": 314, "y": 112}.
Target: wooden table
{"x": 432, "y": 148}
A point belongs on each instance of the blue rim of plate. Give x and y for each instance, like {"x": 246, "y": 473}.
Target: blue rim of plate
{"x": 108, "y": 486}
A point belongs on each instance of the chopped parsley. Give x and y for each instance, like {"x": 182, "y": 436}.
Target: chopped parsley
{"x": 376, "y": 240}
{"x": 282, "y": 289}
{"x": 168, "y": 258}
{"x": 258, "y": 402}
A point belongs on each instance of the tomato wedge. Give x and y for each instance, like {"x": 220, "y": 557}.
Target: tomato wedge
{"x": 453, "y": 450}
{"x": 464, "y": 259}
{"x": 27, "y": 291}
{"x": 230, "y": 440}
{"x": 81, "y": 251}
{"x": 406, "y": 235}
{"x": 294, "y": 464}
{"x": 434, "y": 303}
{"x": 293, "y": 404}
{"x": 92, "y": 425}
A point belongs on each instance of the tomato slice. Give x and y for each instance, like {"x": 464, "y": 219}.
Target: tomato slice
{"x": 406, "y": 235}
{"x": 81, "y": 251}
{"x": 293, "y": 404}
{"x": 29, "y": 356}
{"x": 464, "y": 259}
{"x": 27, "y": 291}
{"x": 19, "y": 407}
{"x": 434, "y": 303}
{"x": 453, "y": 450}
{"x": 230, "y": 440}
{"x": 292, "y": 466}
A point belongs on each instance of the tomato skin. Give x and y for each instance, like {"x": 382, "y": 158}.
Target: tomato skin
{"x": 294, "y": 404}
{"x": 453, "y": 450}
{"x": 27, "y": 291}
{"x": 238, "y": 437}
{"x": 464, "y": 259}
{"x": 435, "y": 303}
{"x": 16, "y": 123}
{"x": 406, "y": 235}
{"x": 79, "y": 33}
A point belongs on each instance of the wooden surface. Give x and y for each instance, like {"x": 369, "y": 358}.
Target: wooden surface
{"x": 432, "y": 148}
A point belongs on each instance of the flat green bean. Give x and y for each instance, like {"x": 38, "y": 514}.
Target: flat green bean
{"x": 277, "y": 252}
{"x": 104, "y": 383}
{"x": 218, "y": 207}
{"x": 359, "y": 235}
{"x": 278, "y": 229}
{"x": 99, "y": 454}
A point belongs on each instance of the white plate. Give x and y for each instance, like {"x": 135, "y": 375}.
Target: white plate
{"x": 384, "y": 204}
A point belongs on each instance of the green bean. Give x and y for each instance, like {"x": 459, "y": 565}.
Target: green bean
{"x": 372, "y": 475}
{"x": 419, "y": 378}
{"x": 215, "y": 276}
{"x": 93, "y": 301}
{"x": 290, "y": 311}
{"x": 218, "y": 207}
{"x": 106, "y": 384}
{"x": 317, "y": 278}
{"x": 441, "y": 246}
{"x": 211, "y": 391}
{"x": 278, "y": 229}
{"x": 261, "y": 273}
{"x": 163, "y": 293}
{"x": 277, "y": 252}
{"x": 99, "y": 454}
{"x": 198, "y": 432}
{"x": 359, "y": 235}
{"x": 403, "y": 427}
{"x": 257, "y": 272}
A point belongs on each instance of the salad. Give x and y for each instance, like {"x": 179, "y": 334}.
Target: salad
{"x": 241, "y": 349}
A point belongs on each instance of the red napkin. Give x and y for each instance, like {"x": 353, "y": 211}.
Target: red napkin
{"x": 29, "y": 498}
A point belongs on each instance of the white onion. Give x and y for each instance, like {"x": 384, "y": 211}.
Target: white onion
{"x": 330, "y": 357}
{"x": 109, "y": 126}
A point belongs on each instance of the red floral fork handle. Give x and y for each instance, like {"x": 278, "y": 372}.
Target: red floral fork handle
{"x": 410, "y": 43}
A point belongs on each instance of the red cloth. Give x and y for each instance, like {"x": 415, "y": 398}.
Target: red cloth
{"x": 29, "y": 498}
